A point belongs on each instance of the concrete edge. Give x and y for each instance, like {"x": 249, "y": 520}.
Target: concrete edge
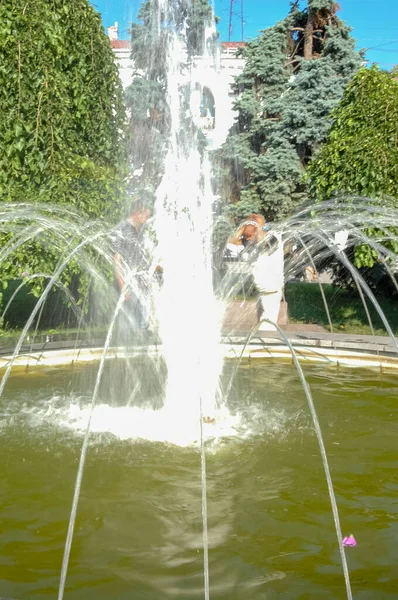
{"x": 259, "y": 348}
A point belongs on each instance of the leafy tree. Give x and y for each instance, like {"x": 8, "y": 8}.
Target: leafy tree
{"x": 146, "y": 97}
{"x": 361, "y": 152}
{"x": 295, "y": 74}
{"x": 61, "y": 117}
{"x": 360, "y": 156}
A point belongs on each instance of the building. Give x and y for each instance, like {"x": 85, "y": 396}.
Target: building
{"x": 212, "y": 105}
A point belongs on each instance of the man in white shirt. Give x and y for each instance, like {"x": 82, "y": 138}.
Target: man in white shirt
{"x": 264, "y": 251}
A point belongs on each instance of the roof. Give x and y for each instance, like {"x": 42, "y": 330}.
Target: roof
{"x": 125, "y": 45}
{"x": 233, "y": 44}
{"x": 120, "y": 44}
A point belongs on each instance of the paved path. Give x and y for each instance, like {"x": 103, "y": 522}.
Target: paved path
{"x": 241, "y": 319}
{"x": 242, "y": 315}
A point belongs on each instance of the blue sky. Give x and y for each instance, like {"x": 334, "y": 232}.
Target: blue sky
{"x": 375, "y": 24}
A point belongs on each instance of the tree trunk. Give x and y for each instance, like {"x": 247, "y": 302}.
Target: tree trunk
{"x": 308, "y": 37}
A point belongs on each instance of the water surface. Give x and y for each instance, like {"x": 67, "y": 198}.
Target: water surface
{"x": 138, "y": 530}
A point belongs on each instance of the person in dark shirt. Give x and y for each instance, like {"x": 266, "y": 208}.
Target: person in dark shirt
{"x": 131, "y": 265}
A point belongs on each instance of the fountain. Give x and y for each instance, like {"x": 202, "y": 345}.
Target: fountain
{"x": 196, "y": 476}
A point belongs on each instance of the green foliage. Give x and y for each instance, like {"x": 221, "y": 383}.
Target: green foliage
{"x": 61, "y": 117}
{"x": 319, "y": 5}
{"x": 61, "y": 106}
{"x": 55, "y": 311}
{"x": 146, "y": 97}
{"x": 347, "y": 312}
{"x": 361, "y": 154}
{"x": 295, "y": 74}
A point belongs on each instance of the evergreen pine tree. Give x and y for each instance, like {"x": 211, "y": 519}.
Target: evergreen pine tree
{"x": 295, "y": 74}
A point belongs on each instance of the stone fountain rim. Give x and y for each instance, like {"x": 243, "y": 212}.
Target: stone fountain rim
{"x": 311, "y": 347}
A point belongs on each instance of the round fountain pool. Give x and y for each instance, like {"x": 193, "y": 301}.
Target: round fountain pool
{"x": 139, "y": 527}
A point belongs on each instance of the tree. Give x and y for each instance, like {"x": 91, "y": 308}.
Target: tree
{"x": 295, "y": 74}
{"x": 361, "y": 152}
{"x": 61, "y": 118}
{"x": 146, "y": 97}
{"x": 360, "y": 156}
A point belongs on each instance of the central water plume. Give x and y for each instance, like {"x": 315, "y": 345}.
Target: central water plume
{"x": 187, "y": 313}
{"x": 186, "y": 306}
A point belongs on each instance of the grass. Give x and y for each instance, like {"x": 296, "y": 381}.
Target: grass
{"x": 347, "y": 312}
{"x": 15, "y": 332}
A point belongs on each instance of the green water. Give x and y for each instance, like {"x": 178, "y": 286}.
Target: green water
{"x": 138, "y": 531}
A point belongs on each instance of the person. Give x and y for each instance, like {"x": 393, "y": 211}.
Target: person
{"x": 250, "y": 232}
{"x": 132, "y": 263}
{"x": 264, "y": 250}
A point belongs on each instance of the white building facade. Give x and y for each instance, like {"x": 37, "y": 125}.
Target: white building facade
{"x": 212, "y": 105}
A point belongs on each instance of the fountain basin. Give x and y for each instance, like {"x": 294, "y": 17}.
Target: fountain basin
{"x": 138, "y": 529}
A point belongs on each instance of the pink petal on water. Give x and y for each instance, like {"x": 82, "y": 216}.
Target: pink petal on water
{"x": 349, "y": 540}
